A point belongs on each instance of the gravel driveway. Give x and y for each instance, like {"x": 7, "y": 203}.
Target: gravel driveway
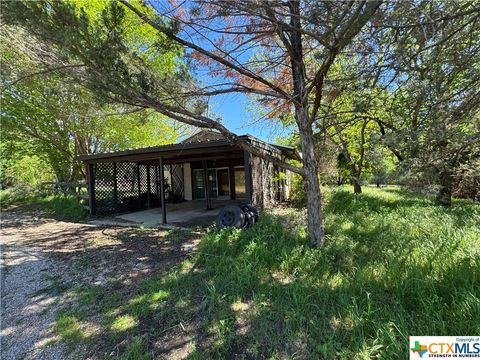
{"x": 43, "y": 258}
{"x": 27, "y": 313}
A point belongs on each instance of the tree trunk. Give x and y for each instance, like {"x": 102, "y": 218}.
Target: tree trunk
{"x": 444, "y": 196}
{"x": 357, "y": 188}
{"x": 312, "y": 189}
{"x": 309, "y": 160}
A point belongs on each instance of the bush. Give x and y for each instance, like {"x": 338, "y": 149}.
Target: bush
{"x": 66, "y": 207}
{"x": 297, "y": 191}
{"x": 29, "y": 171}
{"x": 466, "y": 182}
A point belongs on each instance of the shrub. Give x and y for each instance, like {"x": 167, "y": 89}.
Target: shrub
{"x": 67, "y": 207}
{"x": 466, "y": 182}
{"x": 30, "y": 170}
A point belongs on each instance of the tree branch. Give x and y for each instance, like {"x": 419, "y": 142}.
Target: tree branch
{"x": 43, "y": 72}
{"x": 205, "y": 52}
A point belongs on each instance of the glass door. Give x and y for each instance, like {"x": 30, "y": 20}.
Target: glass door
{"x": 223, "y": 181}
{"x": 218, "y": 182}
{"x": 240, "y": 182}
{"x": 212, "y": 182}
{"x": 198, "y": 184}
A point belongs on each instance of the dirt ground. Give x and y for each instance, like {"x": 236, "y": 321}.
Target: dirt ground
{"x": 42, "y": 258}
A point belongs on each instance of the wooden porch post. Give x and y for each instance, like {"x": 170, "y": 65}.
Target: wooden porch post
{"x": 91, "y": 188}
{"x": 162, "y": 192}
{"x": 115, "y": 186}
{"x": 247, "y": 159}
{"x": 207, "y": 185}
{"x": 139, "y": 188}
{"x": 231, "y": 171}
{"x": 172, "y": 185}
{"x": 148, "y": 186}
{"x": 157, "y": 181}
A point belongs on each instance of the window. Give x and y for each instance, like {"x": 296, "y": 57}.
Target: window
{"x": 240, "y": 182}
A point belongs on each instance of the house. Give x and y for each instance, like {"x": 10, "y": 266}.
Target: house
{"x": 203, "y": 172}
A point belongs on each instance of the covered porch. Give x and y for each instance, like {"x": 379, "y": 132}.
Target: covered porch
{"x": 185, "y": 214}
{"x": 179, "y": 184}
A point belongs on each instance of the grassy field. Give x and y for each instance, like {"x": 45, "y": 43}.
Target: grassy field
{"x": 394, "y": 265}
{"x": 64, "y": 207}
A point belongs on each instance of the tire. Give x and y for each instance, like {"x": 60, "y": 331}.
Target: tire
{"x": 249, "y": 220}
{"x": 248, "y": 207}
{"x": 253, "y": 218}
{"x": 230, "y": 216}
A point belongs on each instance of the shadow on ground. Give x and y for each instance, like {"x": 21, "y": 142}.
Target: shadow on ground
{"x": 393, "y": 266}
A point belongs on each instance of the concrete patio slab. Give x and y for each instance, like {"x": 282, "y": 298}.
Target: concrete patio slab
{"x": 186, "y": 214}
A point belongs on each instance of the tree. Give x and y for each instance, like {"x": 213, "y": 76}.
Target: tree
{"x": 349, "y": 113}
{"x": 250, "y": 47}
{"x": 381, "y": 163}
{"x": 434, "y": 107}
{"x": 415, "y": 82}
{"x": 60, "y": 119}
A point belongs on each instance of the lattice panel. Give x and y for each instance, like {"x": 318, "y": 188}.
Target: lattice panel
{"x": 104, "y": 186}
{"x": 154, "y": 185}
{"x": 178, "y": 189}
{"x": 127, "y": 186}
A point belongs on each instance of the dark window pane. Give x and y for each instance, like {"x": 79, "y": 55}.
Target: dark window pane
{"x": 240, "y": 182}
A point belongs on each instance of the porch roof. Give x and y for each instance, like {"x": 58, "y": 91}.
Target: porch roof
{"x": 186, "y": 151}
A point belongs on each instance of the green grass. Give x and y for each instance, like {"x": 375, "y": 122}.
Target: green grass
{"x": 395, "y": 264}
{"x": 69, "y": 329}
{"x": 14, "y": 196}
{"x": 64, "y": 207}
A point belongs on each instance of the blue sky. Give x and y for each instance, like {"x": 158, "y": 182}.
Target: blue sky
{"x": 235, "y": 113}
{"x": 237, "y": 110}
{"x": 234, "y": 109}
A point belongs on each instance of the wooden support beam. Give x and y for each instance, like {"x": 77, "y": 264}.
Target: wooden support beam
{"x": 231, "y": 176}
{"x": 139, "y": 188}
{"x": 148, "y": 186}
{"x": 157, "y": 186}
{"x": 207, "y": 185}
{"x": 172, "y": 185}
{"x": 115, "y": 185}
{"x": 162, "y": 192}
{"x": 91, "y": 188}
{"x": 247, "y": 157}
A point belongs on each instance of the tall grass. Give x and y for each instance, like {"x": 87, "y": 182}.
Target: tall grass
{"x": 63, "y": 206}
{"x": 394, "y": 265}
{"x": 67, "y": 207}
